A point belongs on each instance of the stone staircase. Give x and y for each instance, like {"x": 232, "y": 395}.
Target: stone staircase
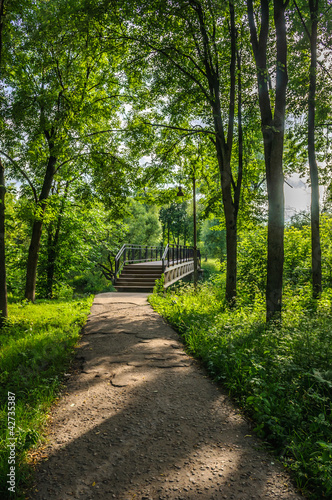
{"x": 138, "y": 277}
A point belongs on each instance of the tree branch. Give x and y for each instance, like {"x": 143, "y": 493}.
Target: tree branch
{"x": 302, "y": 20}
{"x": 181, "y": 128}
{"x": 23, "y": 173}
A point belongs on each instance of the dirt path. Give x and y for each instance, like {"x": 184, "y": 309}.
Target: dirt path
{"x": 140, "y": 420}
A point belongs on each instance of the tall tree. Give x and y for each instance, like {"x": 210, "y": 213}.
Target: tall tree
{"x": 316, "y": 254}
{"x": 192, "y": 48}
{"x": 273, "y": 125}
{"x": 3, "y": 283}
{"x": 61, "y": 83}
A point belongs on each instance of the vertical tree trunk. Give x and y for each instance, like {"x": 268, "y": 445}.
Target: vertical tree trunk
{"x": 275, "y": 240}
{"x": 231, "y": 249}
{"x": 316, "y": 257}
{"x": 223, "y": 146}
{"x": 3, "y": 284}
{"x": 273, "y": 135}
{"x": 31, "y": 275}
{"x": 52, "y": 246}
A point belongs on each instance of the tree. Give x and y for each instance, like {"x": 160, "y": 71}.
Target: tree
{"x": 3, "y": 282}
{"x": 273, "y": 125}
{"x": 143, "y": 226}
{"x": 213, "y": 239}
{"x": 194, "y": 53}
{"x": 60, "y": 83}
{"x": 313, "y": 6}
{"x": 174, "y": 220}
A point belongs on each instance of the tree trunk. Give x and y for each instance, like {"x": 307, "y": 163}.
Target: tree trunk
{"x": 231, "y": 248}
{"x": 274, "y": 175}
{"x": 3, "y": 284}
{"x": 52, "y": 246}
{"x": 316, "y": 256}
{"x": 273, "y": 135}
{"x": 275, "y": 239}
{"x": 31, "y": 275}
{"x": 51, "y": 256}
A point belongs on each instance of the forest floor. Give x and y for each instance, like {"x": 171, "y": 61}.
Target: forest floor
{"x": 140, "y": 419}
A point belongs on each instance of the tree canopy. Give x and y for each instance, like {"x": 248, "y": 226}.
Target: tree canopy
{"x": 107, "y": 108}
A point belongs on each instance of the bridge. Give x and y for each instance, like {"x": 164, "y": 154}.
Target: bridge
{"x": 138, "y": 267}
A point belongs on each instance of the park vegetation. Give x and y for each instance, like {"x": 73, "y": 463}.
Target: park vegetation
{"x": 106, "y": 109}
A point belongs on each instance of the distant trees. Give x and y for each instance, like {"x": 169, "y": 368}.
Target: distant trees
{"x": 213, "y": 240}
{"x": 143, "y": 225}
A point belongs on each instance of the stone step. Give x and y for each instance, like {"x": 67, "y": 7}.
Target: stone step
{"x": 123, "y": 282}
{"x": 140, "y": 269}
{"x": 144, "y": 272}
{"x": 133, "y": 288}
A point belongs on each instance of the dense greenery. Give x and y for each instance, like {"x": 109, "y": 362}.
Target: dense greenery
{"x": 280, "y": 375}
{"x": 106, "y": 108}
{"x": 37, "y": 344}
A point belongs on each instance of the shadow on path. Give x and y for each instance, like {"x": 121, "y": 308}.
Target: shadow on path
{"x": 142, "y": 421}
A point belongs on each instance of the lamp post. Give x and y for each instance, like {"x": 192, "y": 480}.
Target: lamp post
{"x": 195, "y": 232}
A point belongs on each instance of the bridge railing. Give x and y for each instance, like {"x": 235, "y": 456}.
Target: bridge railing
{"x": 133, "y": 254}
{"x": 177, "y": 254}
{"x": 178, "y": 262}
{"x": 171, "y": 255}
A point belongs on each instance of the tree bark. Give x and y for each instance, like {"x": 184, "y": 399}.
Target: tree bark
{"x": 3, "y": 283}
{"x": 52, "y": 246}
{"x": 224, "y": 153}
{"x": 273, "y": 135}
{"x": 31, "y": 275}
{"x": 316, "y": 256}
{"x": 2, "y": 16}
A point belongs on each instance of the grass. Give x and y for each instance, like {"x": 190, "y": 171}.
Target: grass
{"x": 281, "y": 376}
{"x": 36, "y": 347}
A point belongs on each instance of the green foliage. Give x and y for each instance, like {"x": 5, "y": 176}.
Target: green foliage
{"x": 213, "y": 240}
{"x": 158, "y": 289}
{"x": 175, "y": 219}
{"x": 143, "y": 226}
{"x": 281, "y": 376}
{"x": 297, "y": 265}
{"x": 37, "y": 344}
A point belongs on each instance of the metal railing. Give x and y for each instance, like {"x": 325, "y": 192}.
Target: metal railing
{"x": 169, "y": 256}
{"x": 133, "y": 254}
{"x": 176, "y": 254}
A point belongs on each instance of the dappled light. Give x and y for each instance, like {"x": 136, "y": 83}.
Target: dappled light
{"x": 150, "y": 147}
{"x": 142, "y": 418}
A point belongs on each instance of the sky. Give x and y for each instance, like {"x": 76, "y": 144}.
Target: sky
{"x": 297, "y": 197}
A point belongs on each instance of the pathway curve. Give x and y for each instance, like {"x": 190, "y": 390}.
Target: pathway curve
{"x": 139, "y": 419}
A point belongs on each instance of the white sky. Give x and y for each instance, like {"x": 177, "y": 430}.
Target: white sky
{"x": 298, "y": 197}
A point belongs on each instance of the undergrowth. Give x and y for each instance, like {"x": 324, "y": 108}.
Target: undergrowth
{"x": 280, "y": 375}
{"x": 36, "y": 347}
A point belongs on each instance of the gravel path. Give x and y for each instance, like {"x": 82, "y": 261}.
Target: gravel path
{"x": 139, "y": 419}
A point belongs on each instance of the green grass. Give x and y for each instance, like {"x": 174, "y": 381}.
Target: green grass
{"x": 36, "y": 347}
{"x": 281, "y": 376}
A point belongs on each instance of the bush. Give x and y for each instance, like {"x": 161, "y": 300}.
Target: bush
{"x": 280, "y": 375}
